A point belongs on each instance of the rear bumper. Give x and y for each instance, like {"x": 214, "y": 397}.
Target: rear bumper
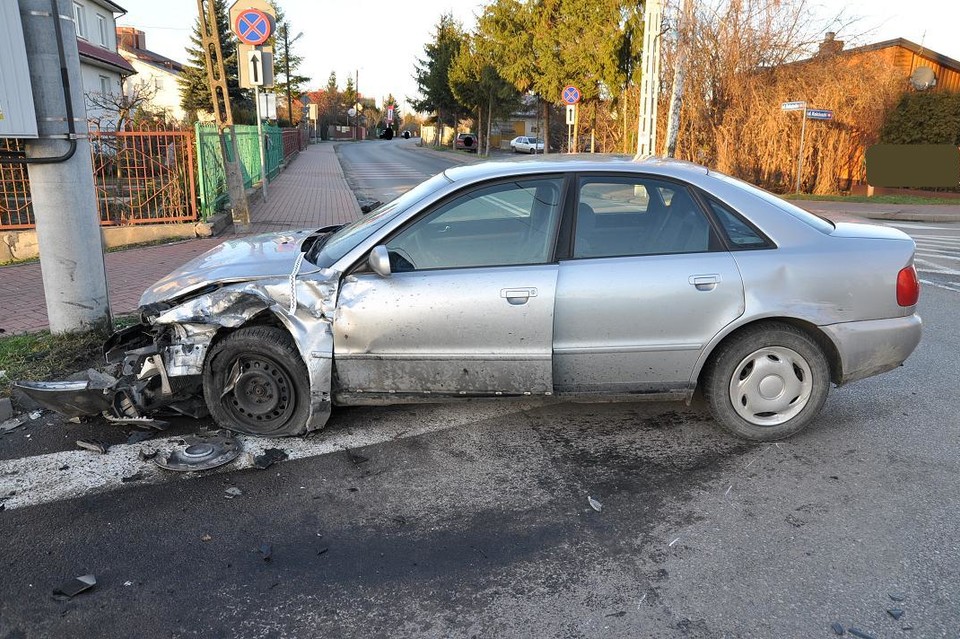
{"x": 872, "y": 347}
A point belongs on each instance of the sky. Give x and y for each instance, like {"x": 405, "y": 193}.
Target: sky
{"x": 380, "y": 40}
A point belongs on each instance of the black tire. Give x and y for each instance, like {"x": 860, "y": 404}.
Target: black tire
{"x": 255, "y": 382}
{"x": 767, "y": 382}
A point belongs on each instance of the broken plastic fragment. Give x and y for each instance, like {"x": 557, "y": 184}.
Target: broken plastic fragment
{"x": 141, "y": 422}
{"x": 267, "y": 551}
{"x": 199, "y": 452}
{"x": 896, "y": 613}
{"x": 269, "y": 457}
{"x": 837, "y": 628}
{"x": 94, "y": 445}
{"x": 232, "y": 492}
{"x": 137, "y": 476}
{"x": 856, "y": 632}
{"x": 140, "y": 436}
{"x": 897, "y": 596}
{"x": 596, "y": 505}
{"x": 146, "y": 455}
{"x": 74, "y": 587}
{"x": 206, "y": 538}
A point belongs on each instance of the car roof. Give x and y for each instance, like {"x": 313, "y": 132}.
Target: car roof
{"x": 586, "y": 162}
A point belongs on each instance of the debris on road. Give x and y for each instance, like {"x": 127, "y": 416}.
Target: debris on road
{"x": 137, "y": 476}
{"x": 93, "y": 445}
{"x": 856, "y": 632}
{"x": 323, "y": 551}
{"x": 621, "y": 613}
{"x": 199, "y": 452}
{"x": 897, "y": 596}
{"x": 206, "y": 537}
{"x": 13, "y": 423}
{"x": 74, "y": 587}
{"x": 670, "y": 545}
{"x": 357, "y": 459}
{"x": 596, "y": 505}
{"x": 6, "y": 409}
{"x": 139, "y": 422}
{"x": 269, "y": 457}
{"x": 267, "y": 551}
{"x": 140, "y": 436}
{"x": 837, "y": 628}
{"x": 146, "y": 455}
{"x": 896, "y": 613}
{"x": 232, "y": 492}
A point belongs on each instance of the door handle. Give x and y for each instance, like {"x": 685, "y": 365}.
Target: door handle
{"x": 518, "y": 296}
{"x": 705, "y": 282}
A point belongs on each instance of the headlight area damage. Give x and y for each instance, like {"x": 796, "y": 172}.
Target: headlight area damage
{"x": 256, "y": 355}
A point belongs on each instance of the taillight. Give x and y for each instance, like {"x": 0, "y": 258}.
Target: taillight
{"x": 908, "y": 286}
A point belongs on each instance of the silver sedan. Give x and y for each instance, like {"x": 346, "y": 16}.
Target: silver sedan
{"x": 561, "y": 278}
{"x": 524, "y": 144}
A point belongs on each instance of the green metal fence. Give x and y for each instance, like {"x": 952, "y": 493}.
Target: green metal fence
{"x": 213, "y": 179}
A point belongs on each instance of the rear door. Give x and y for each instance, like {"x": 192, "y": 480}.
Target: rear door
{"x": 648, "y": 285}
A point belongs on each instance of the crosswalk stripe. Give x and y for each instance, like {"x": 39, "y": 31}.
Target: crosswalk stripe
{"x": 944, "y": 285}
{"x": 30, "y": 481}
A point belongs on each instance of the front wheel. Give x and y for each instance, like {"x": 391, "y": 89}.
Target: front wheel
{"x": 255, "y": 382}
{"x": 767, "y": 383}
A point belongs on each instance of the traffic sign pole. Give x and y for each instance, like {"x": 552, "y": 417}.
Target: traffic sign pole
{"x": 262, "y": 145}
{"x": 803, "y": 129}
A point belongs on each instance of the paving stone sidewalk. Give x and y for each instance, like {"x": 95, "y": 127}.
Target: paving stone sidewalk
{"x": 311, "y": 192}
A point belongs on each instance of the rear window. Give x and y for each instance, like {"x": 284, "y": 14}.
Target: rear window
{"x": 821, "y": 224}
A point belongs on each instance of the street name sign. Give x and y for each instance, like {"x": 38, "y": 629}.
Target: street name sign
{"x": 792, "y": 106}
{"x": 819, "y": 114}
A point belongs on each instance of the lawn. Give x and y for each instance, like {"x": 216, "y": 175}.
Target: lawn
{"x": 876, "y": 199}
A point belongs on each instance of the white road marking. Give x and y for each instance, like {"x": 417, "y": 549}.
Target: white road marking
{"x": 39, "y": 480}
{"x": 946, "y": 287}
{"x": 931, "y": 267}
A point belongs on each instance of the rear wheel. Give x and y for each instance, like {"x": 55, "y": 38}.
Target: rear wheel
{"x": 255, "y": 382}
{"x": 767, "y": 383}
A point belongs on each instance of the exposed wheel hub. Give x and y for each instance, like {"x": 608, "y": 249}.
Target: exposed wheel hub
{"x": 261, "y": 394}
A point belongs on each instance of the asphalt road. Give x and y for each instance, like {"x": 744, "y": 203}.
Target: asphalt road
{"x": 474, "y": 520}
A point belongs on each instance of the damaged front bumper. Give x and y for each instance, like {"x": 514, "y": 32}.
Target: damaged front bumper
{"x": 158, "y": 365}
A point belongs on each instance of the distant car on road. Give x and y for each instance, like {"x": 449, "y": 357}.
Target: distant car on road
{"x": 466, "y": 142}
{"x": 570, "y": 278}
{"x": 524, "y": 144}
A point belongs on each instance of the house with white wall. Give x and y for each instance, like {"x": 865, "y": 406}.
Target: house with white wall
{"x": 101, "y": 67}
{"x": 157, "y": 75}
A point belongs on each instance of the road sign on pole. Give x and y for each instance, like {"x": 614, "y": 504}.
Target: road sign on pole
{"x": 793, "y": 106}
{"x": 253, "y": 26}
{"x": 255, "y": 68}
{"x": 571, "y": 113}
{"x": 570, "y": 94}
{"x": 244, "y": 51}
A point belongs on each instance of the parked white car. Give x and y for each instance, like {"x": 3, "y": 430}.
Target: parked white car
{"x": 524, "y": 144}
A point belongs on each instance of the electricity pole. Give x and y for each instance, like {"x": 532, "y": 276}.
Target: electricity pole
{"x": 63, "y": 191}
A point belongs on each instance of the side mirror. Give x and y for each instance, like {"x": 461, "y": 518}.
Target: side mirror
{"x": 379, "y": 261}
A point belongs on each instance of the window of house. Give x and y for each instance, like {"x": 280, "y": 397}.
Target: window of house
{"x": 102, "y": 30}
{"x": 105, "y": 85}
{"x": 80, "y": 19}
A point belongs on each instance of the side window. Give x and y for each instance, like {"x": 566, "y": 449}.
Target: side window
{"x": 638, "y": 216}
{"x": 740, "y": 234}
{"x": 504, "y": 224}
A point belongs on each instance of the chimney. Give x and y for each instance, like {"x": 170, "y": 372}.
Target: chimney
{"x": 131, "y": 38}
{"x": 830, "y": 45}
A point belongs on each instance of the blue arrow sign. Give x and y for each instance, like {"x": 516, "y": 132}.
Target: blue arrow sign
{"x": 819, "y": 114}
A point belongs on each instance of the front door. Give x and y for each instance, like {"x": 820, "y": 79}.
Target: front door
{"x": 468, "y": 308}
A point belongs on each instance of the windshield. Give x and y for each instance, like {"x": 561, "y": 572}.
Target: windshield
{"x": 325, "y": 254}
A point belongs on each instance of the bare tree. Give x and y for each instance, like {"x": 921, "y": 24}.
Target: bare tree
{"x": 117, "y": 110}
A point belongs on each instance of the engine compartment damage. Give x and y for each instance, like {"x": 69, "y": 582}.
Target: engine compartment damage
{"x": 158, "y": 366}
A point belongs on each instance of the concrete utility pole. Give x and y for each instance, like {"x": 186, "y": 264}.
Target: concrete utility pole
{"x": 64, "y": 196}
{"x": 216, "y": 76}
{"x": 650, "y": 79}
